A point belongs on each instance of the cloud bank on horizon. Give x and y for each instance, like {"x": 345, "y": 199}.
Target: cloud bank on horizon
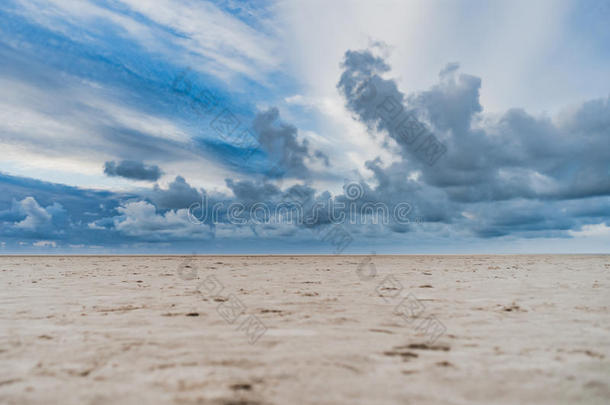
{"x": 206, "y": 126}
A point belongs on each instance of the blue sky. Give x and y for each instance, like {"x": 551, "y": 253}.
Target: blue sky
{"x": 118, "y": 117}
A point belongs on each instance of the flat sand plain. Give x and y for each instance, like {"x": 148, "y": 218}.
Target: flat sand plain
{"x": 305, "y": 330}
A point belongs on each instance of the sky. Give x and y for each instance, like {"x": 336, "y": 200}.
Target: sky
{"x": 340, "y": 127}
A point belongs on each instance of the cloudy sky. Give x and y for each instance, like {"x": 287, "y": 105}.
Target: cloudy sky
{"x": 131, "y": 126}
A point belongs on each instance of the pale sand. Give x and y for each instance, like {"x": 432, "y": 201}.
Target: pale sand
{"x": 94, "y": 330}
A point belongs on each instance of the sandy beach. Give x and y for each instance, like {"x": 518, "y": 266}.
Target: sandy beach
{"x": 305, "y": 330}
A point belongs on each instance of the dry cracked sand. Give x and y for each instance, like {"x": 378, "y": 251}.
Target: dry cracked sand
{"x": 339, "y": 330}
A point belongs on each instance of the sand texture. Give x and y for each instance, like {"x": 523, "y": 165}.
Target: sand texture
{"x": 305, "y": 330}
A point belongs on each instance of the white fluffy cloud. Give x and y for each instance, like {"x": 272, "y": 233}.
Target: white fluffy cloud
{"x": 35, "y": 214}
{"x": 37, "y": 218}
{"x": 141, "y": 219}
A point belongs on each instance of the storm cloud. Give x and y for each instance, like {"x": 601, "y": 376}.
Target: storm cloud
{"x": 516, "y": 155}
{"x": 279, "y": 140}
{"x": 495, "y": 171}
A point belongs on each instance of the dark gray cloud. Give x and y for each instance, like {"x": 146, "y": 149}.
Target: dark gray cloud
{"x": 249, "y": 191}
{"x": 285, "y": 151}
{"x": 516, "y": 174}
{"x": 178, "y": 195}
{"x": 131, "y": 169}
{"x": 515, "y": 156}
{"x": 379, "y": 104}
